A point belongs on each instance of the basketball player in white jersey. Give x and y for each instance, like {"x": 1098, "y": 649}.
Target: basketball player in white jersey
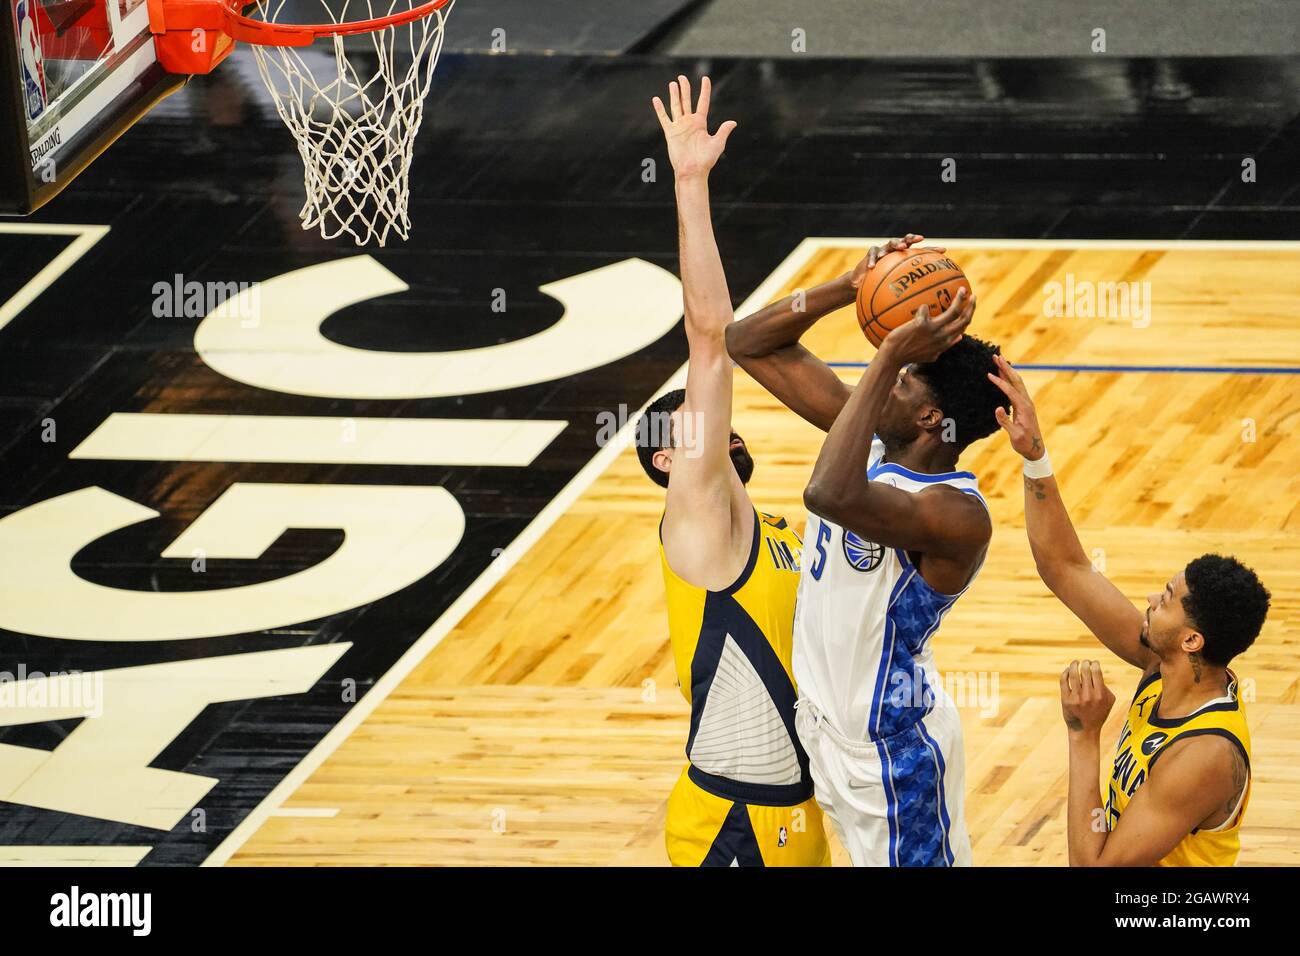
{"x": 895, "y": 535}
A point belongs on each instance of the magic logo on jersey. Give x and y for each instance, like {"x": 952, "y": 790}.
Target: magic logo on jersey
{"x": 862, "y": 555}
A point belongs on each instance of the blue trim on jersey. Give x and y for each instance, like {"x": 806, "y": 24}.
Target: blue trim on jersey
{"x": 918, "y": 817}
{"x": 889, "y": 468}
{"x": 873, "y": 722}
{"x": 913, "y": 769}
{"x": 891, "y": 800}
{"x": 946, "y": 823}
{"x": 915, "y": 614}
{"x": 906, "y": 562}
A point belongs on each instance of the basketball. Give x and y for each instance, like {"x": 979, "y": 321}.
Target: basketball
{"x": 900, "y": 283}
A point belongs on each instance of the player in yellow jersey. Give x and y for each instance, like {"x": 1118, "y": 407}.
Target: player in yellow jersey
{"x": 1180, "y": 782}
{"x": 745, "y": 798}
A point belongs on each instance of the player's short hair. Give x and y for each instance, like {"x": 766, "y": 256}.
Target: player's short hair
{"x": 959, "y": 380}
{"x": 654, "y": 431}
{"x": 1227, "y": 603}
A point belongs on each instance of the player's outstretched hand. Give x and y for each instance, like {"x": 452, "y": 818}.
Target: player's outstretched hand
{"x": 1085, "y": 699}
{"x": 1021, "y": 424}
{"x": 691, "y": 149}
{"x": 924, "y": 338}
{"x": 876, "y": 252}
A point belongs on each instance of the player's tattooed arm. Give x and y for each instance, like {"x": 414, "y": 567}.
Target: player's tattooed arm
{"x": 1059, "y": 557}
{"x": 766, "y": 344}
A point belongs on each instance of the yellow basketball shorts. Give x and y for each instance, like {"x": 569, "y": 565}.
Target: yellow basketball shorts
{"x": 706, "y": 829}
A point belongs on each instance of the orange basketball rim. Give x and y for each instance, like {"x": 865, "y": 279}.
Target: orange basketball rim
{"x": 354, "y": 117}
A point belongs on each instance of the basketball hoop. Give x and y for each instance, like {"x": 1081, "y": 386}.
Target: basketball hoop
{"x": 353, "y": 113}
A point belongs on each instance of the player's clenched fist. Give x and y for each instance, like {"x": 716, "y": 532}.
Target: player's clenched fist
{"x": 1085, "y": 699}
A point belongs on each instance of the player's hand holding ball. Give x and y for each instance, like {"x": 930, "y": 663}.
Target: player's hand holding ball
{"x": 895, "y": 280}
{"x": 925, "y": 337}
{"x": 876, "y": 253}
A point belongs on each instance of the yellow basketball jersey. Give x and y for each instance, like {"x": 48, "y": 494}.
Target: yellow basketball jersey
{"x": 1146, "y": 735}
{"x": 732, "y": 651}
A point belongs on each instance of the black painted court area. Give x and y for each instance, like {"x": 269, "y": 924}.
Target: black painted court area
{"x": 530, "y": 169}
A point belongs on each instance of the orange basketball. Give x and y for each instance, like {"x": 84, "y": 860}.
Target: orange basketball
{"x": 900, "y": 283}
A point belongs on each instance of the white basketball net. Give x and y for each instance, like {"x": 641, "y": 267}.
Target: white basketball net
{"x": 355, "y": 114}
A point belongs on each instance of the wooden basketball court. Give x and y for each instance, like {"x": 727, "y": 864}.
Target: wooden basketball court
{"x": 546, "y": 727}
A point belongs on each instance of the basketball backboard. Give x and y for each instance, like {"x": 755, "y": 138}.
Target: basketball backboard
{"x": 80, "y": 72}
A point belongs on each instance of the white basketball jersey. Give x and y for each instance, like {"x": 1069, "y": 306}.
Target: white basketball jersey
{"x": 864, "y": 619}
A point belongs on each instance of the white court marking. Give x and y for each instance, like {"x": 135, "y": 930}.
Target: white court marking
{"x": 87, "y": 236}
{"x": 72, "y": 855}
{"x": 172, "y": 436}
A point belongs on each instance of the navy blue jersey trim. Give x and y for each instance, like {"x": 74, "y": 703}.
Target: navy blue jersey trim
{"x": 1155, "y": 720}
{"x": 749, "y": 563}
{"x": 753, "y": 557}
{"x": 723, "y": 616}
{"x": 759, "y": 794}
{"x": 735, "y": 841}
{"x": 1201, "y": 732}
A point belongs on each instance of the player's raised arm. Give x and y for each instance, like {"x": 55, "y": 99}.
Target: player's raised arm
{"x": 942, "y": 523}
{"x": 1058, "y": 555}
{"x": 702, "y": 532}
{"x": 766, "y": 344}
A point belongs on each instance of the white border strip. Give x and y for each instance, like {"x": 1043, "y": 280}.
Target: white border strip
{"x": 87, "y": 236}
{"x": 430, "y": 639}
{"x": 476, "y": 591}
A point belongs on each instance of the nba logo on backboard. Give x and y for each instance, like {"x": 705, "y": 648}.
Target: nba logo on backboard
{"x": 29, "y": 52}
